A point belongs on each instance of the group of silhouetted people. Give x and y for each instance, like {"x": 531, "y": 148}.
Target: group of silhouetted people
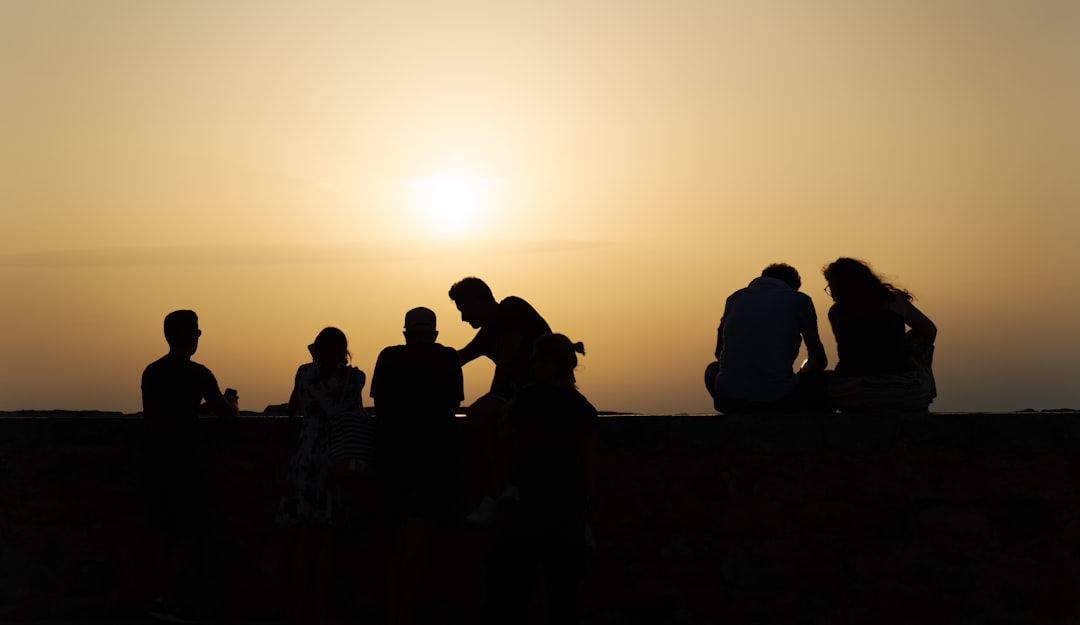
{"x": 533, "y": 434}
{"x": 884, "y": 346}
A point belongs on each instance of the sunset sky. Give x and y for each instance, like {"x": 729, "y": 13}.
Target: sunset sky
{"x": 622, "y": 165}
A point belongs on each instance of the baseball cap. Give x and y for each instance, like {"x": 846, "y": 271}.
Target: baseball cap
{"x": 420, "y": 320}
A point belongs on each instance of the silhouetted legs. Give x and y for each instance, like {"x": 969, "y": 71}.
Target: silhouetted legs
{"x": 512, "y": 574}
{"x": 172, "y": 558}
{"x": 312, "y": 573}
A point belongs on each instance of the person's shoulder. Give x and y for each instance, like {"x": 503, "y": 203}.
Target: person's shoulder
{"x": 445, "y": 351}
{"x": 157, "y": 364}
{"x": 516, "y": 304}
{"x": 391, "y": 351}
{"x": 197, "y": 366}
{"x": 802, "y": 298}
{"x": 584, "y": 401}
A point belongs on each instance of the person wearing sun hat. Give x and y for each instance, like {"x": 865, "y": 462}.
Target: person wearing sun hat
{"x": 417, "y": 389}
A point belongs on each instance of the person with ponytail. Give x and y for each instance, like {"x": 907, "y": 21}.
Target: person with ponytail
{"x": 546, "y": 448}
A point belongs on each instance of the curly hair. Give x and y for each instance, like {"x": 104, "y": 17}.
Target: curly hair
{"x": 852, "y": 281}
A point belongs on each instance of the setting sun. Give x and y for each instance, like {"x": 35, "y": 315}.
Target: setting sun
{"x": 449, "y": 205}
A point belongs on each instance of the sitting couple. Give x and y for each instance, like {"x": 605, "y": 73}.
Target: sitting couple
{"x": 881, "y": 366}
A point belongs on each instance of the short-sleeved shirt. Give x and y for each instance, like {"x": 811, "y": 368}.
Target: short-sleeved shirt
{"x": 173, "y": 387}
{"x": 178, "y": 495}
{"x": 514, "y": 314}
{"x": 417, "y": 389}
{"x": 763, "y": 326}
{"x": 551, "y": 423}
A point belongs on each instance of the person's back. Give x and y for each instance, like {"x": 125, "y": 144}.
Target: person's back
{"x": 870, "y": 341}
{"x": 173, "y": 388}
{"x": 763, "y": 326}
{"x": 517, "y": 317}
{"x": 417, "y": 389}
{"x": 551, "y": 423}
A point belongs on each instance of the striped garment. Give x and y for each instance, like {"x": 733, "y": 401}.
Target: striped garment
{"x": 352, "y": 437}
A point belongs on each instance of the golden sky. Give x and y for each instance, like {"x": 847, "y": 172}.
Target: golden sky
{"x": 624, "y": 166}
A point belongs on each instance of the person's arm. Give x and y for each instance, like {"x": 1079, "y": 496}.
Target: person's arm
{"x": 506, "y": 357}
{"x": 589, "y": 456}
{"x": 359, "y": 379}
{"x": 919, "y": 322}
{"x": 719, "y": 339}
{"x": 222, "y": 406}
{"x": 466, "y": 355}
{"x": 294, "y": 397}
{"x": 455, "y": 385}
{"x": 815, "y": 352}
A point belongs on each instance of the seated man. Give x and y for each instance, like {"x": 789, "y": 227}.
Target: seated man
{"x": 756, "y": 346}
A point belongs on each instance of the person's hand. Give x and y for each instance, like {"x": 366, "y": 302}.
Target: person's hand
{"x": 811, "y": 366}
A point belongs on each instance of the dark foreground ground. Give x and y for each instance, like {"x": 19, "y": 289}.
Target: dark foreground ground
{"x": 700, "y": 520}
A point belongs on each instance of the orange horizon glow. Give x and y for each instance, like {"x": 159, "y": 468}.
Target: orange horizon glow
{"x": 278, "y": 169}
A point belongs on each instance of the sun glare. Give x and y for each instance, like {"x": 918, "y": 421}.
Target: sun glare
{"x": 449, "y": 205}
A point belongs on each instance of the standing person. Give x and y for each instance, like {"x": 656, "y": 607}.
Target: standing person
{"x": 417, "y": 389}
{"x": 757, "y": 343}
{"x": 548, "y": 446}
{"x": 881, "y": 366}
{"x": 173, "y": 387}
{"x": 507, "y": 330}
{"x": 324, "y": 388}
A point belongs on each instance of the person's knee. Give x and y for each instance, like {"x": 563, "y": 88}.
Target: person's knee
{"x": 711, "y": 372}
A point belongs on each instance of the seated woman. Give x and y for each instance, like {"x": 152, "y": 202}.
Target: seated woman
{"x": 881, "y": 365}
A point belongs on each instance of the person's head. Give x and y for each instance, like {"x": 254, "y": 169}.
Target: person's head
{"x": 182, "y": 331}
{"x": 555, "y": 358}
{"x": 474, "y": 300}
{"x": 330, "y": 347}
{"x": 420, "y": 326}
{"x": 785, "y": 272}
{"x": 853, "y": 281}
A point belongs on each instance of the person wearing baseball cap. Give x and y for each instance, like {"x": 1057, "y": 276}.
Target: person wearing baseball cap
{"x": 417, "y": 389}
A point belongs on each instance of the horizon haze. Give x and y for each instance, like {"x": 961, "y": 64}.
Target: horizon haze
{"x": 624, "y": 167}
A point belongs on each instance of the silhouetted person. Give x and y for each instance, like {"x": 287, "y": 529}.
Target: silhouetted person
{"x": 507, "y": 330}
{"x": 316, "y": 501}
{"x": 757, "y": 343}
{"x": 547, "y": 447}
{"x": 178, "y": 489}
{"x": 417, "y": 389}
{"x": 880, "y": 365}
